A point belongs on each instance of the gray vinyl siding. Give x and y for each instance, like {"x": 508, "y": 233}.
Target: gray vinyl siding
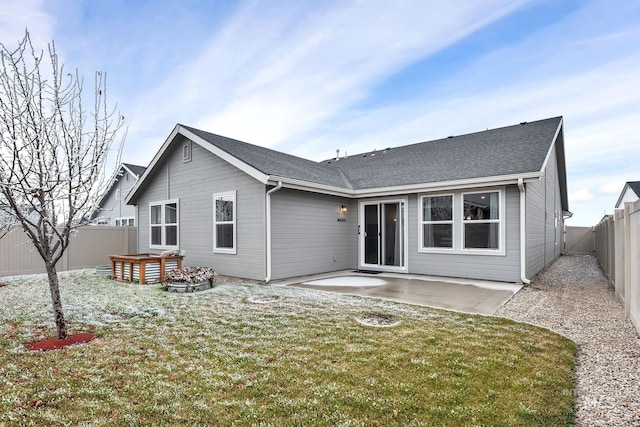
{"x": 504, "y": 268}
{"x": 113, "y": 205}
{"x": 307, "y": 237}
{"x": 155, "y": 190}
{"x": 543, "y": 204}
{"x": 552, "y": 203}
{"x": 194, "y": 184}
{"x": 535, "y": 205}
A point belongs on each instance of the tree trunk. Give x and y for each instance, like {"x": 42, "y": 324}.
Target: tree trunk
{"x": 61, "y": 324}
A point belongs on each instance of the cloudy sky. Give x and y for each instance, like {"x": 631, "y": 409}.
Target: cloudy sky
{"x": 309, "y": 77}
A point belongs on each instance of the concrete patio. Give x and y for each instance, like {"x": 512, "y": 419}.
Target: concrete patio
{"x": 469, "y": 296}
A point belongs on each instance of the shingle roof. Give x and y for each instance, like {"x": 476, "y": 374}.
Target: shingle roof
{"x": 138, "y": 170}
{"x": 271, "y": 162}
{"x": 503, "y": 151}
{"x": 635, "y": 186}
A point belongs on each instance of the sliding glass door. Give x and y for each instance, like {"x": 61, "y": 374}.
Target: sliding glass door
{"x": 383, "y": 234}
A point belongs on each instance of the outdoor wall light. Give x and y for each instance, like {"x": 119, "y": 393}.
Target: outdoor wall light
{"x": 343, "y": 208}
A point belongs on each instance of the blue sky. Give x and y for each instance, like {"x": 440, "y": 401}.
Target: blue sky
{"x": 310, "y": 77}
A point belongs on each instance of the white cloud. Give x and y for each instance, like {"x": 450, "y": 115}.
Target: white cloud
{"x": 274, "y": 72}
{"x": 603, "y": 141}
{"x": 287, "y": 77}
{"x": 588, "y": 138}
{"x": 16, "y": 16}
{"x": 580, "y": 195}
{"x": 612, "y": 187}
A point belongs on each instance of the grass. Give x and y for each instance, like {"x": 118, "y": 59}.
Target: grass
{"x": 217, "y": 358}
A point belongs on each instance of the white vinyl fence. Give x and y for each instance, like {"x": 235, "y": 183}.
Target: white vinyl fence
{"x": 579, "y": 240}
{"x": 618, "y": 253}
{"x": 90, "y": 246}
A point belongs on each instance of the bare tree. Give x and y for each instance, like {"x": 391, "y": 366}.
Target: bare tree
{"x": 53, "y": 154}
{"x": 6, "y": 220}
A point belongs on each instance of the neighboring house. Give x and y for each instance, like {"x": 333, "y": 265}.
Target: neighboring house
{"x": 8, "y": 220}
{"x": 630, "y": 193}
{"x": 487, "y": 205}
{"x": 112, "y": 208}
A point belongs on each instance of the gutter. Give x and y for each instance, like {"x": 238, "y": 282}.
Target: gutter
{"x": 523, "y": 233}
{"x": 297, "y": 184}
{"x": 268, "y": 242}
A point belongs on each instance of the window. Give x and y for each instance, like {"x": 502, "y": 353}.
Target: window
{"x": 163, "y": 224}
{"x": 437, "y": 222}
{"x": 481, "y": 220}
{"x": 469, "y": 223}
{"x": 125, "y": 222}
{"x": 224, "y": 223}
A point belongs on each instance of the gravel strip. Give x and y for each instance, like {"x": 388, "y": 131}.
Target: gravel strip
{"x": 573, "y": 298}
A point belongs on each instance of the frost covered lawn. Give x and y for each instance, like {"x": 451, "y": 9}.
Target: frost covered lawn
{"x": 247, "y": 354}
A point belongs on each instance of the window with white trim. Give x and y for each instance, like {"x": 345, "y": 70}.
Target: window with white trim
{"x": 163, "y": 224}
{"x": 437, "y": 222}
{"x": 224, "y": 222}
{"x": 481, "y": 225}
{"x": 125, "y": 222}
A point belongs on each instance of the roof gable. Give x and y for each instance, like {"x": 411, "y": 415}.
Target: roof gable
{"x": 275, "y": 163}
{"x": 136, "y": 170}
{"x": 629, "y": 186}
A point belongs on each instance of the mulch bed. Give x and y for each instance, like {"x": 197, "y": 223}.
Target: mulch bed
{"x": 55, "y": 343}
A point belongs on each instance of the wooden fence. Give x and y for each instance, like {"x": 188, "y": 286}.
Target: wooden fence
{"x": 90, "y": 246}
{"x": 617, "y": 246}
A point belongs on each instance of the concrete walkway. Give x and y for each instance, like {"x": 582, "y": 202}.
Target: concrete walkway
{"x": 467, "y": 296}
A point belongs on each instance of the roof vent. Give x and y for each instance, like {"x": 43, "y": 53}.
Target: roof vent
{"x": 337, "y": 154}
{"x": 374, "y": 152}
{"x": 450, "y": 136}
{"x": 523, "y": 123}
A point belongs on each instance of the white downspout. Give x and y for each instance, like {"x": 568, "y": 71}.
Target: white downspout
{"x": 523, "y": 233}
{"x": 268, "y": 216}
